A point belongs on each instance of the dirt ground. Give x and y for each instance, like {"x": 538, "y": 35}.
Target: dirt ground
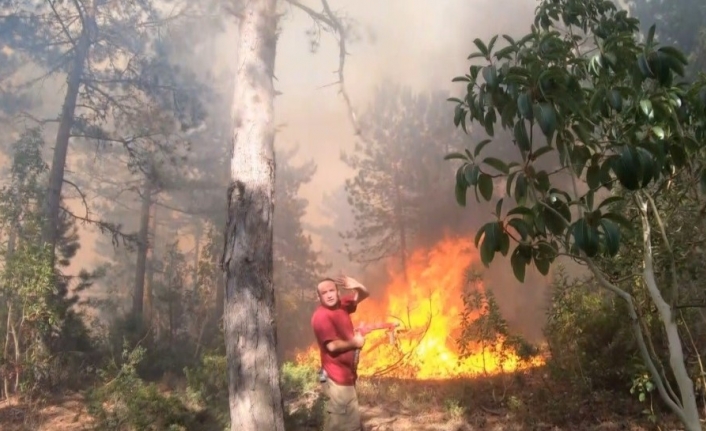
{"x": 389, "y": 405}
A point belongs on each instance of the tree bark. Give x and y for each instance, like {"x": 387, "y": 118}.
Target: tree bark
{"x": 143, "y": 245}
{"x": 250, "y": 334}
{"x": 61, "y": 147}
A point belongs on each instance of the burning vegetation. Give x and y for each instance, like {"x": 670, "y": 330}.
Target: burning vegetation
{"x": 448, "y": 322}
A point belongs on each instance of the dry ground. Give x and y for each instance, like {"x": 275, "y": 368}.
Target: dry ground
{"x": 514, "y": 403}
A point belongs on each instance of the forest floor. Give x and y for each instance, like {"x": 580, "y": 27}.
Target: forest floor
{"x": 508, "y": 403}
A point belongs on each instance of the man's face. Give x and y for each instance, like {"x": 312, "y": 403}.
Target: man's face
{"x": 328, "y": 293}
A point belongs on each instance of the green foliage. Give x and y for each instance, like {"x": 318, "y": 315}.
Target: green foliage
{"x": 207, "y": 384}
{"x": 298, "y": 379}
{"x": 610, "y": 110}
{"x": 46, "y": 339}
{"x": 482, "y": 324}
{"x": 394, "y": 194}
{"x": 589, "y": 343}
{"x": 126, "y": 402}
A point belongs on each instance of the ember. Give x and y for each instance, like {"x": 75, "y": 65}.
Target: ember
{"x": 428, "y": 306}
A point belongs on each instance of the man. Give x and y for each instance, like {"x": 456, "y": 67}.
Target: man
{"x": 337, "y": 342}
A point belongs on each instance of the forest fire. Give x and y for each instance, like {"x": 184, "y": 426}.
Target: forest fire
{"x": 427, "y": 306}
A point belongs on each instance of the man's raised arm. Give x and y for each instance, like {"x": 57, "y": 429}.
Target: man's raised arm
{"x": 350, "y": 283}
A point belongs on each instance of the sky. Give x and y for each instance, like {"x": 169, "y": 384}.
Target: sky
{"x": 420, "y": 43}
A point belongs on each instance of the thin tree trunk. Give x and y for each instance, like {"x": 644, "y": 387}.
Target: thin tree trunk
{"x": 250, "y": 334}
{"x": 61, "y": 147}
{"x": 142, "y": 248}
{"x": 148, "y": 297}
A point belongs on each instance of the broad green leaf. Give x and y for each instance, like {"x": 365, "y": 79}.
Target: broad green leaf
{"x": 481, "y": 47}
{"x": 522, "y": 227}
{"x": 611, "y": 236}
{"x": 479, "y": 234}
{"x": 504, "y": 244}
{"x": 520, "y": 210}
{"x": 541, "y": 151}
{"x": 520, "y": 188}
{"x": 452, "y": 156}
{"x": 547, "y": 119}
{"x": 524, "y": 106}
{"x": 519, "y": 261}
{"x": 541, "y": 263}
{"x": 480, "y": 146}
{"x": 521, "y": 136}
{"x": 460, "y": 191}
{"x": 470, "y": 174}
{"x": 593, "y": 177}
{"x": 628, "y": 170}
{"x": 619, "y": 219}
{"x": 499, "y": 207}
{"x": 615, "y": 100}
{"x": 497, "y": 164}
{"x": 609, "y": 200}
{"x": 674, "y": 52}
{"x": 485, "y": 186}
{"x": 490, "y": 75}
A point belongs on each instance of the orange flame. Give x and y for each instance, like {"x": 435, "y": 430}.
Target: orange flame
{"x": 428, "y": 305}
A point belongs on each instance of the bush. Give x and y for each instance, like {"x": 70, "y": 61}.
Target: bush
{"x": 589, "y": 336}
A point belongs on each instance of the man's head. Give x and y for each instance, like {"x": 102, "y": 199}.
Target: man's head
{"x": 328, "y": 292}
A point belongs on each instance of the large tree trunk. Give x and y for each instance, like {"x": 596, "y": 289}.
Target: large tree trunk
{"x": 61, "y": 147}
{"x": 143, "y": 244}
{"x": 250, "y": 334}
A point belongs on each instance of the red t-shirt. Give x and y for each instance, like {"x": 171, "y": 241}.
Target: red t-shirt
{"x": 335, "y": 324}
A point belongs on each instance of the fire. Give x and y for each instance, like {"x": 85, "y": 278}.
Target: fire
{"x": 427, "y": 304}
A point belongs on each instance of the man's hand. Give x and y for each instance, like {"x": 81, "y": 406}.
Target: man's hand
{"x": 358, "y": 340}
{"x": 349, "y": 282}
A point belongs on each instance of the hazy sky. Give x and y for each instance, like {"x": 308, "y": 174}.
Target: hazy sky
{"x": 421, "y": 43}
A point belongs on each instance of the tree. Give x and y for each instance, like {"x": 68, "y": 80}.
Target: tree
{"x": 619, "y": 125}
{"x": 394, "y": 191}
{"x": 296, "y": 265}
{"x": 250, "y": 334}
{"x": 90, "y": 41}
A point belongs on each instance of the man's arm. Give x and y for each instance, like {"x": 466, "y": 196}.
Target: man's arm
{"x": 326, "y": 334}
{"x": 350, "y": 283}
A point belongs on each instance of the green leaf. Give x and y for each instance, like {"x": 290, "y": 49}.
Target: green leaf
{"x": 497, "y": 164}
{"x": 520, "y": 188}
{"x": 586, "y": 237}
{"x": 480, "y": 145}
{"x": 519, "y": 262}
{"x": 646, "y": 107}
{"x": 499, "y": 207}
{"x": 504, "y": 244}
{"x": 521, "y": 136}
{"x": 490, "y": 75}
{"x": 628, "y": 169}
{"x": 485, "y": 186}
{"x": 702, "y": 181}
{"x": 524, "y": 106}
{"x": 481, "y": 46}
{"x": 547, "y": 119}
{"x": 520, "y": 210}
{"x": 479, "y": 234}
{"x": 522, "y": 227}
{"x": 460, "y": 191}
{"x": 491, "y": 242}
{"x": 542, "y": 264}
{"x": 593, "y": 177}
{"x": 470, "y": 174}
{"x": 452, "y": 156}
{"x": 611, "y": 236}
{"x": 651, "y": 35}
{"x": 542, "y": 151}
{"x": 674, "y": 52}
{"x": 609, "y": 201}
{"x": 619, "y": 219}
{"x": 615, "y": 100}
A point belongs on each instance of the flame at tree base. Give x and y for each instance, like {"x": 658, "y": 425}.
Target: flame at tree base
{"x": 427, "y": 304}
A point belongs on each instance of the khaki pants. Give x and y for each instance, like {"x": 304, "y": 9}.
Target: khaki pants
{"x": 341, "y": 412}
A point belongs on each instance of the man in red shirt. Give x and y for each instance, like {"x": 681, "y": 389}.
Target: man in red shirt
{"x": 337, "y": 342}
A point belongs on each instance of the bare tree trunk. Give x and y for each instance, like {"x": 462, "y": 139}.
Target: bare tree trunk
{"x": 61, "y": 147}
{"x": 401, "y": 225}
{"x": 143, "y": 245}
{"x": 148, "y": 297}
{"x": 250, "y": 334}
